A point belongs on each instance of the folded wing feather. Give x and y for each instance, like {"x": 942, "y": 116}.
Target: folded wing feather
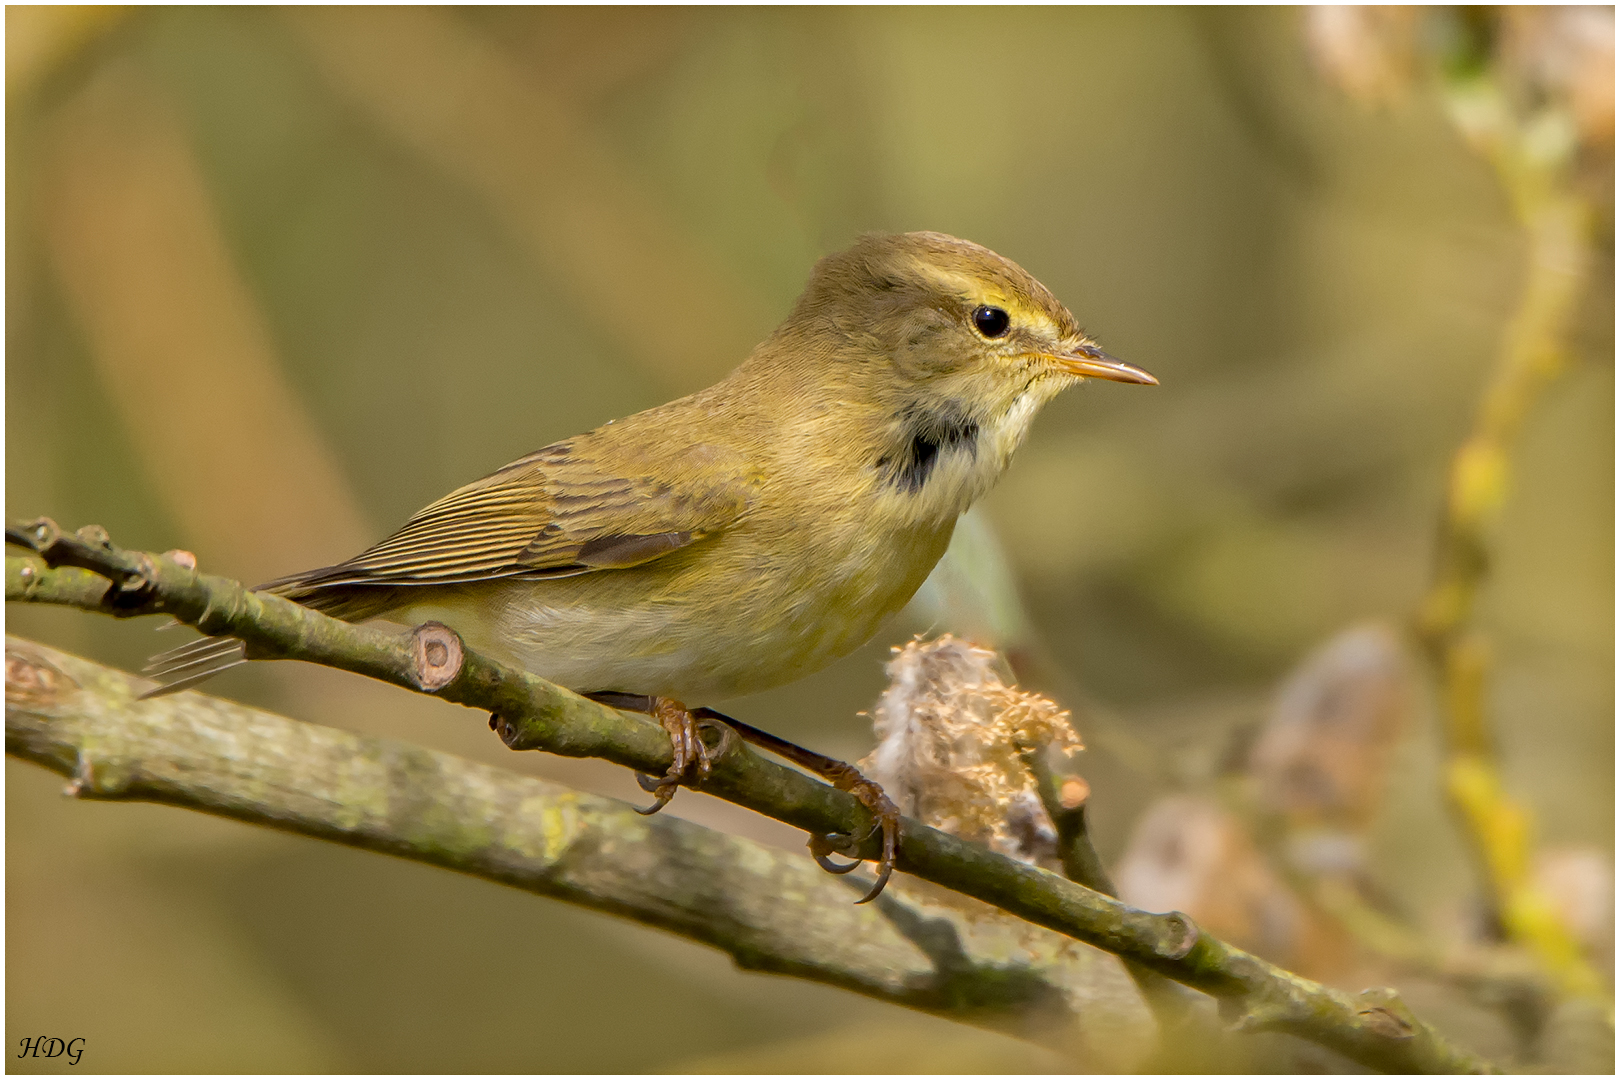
{"x": 555, "y": 513}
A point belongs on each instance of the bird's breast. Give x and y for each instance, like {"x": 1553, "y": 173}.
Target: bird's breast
{"x": 754, "y": 608}
{"x": 837, "y": 541}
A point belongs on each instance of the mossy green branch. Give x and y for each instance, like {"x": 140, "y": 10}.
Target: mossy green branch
{"x": 1374, "y": 1030}
{"x": 772, "y": 910}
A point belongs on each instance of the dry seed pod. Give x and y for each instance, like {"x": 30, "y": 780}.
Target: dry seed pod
{"x": 1322, "y": 758}
{"x": 950, "y": 732}
{"x": 1188, "y": 854}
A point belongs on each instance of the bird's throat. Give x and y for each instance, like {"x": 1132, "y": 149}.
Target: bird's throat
{"x": 940, "y": 456}
{"x": 926, "y": 439}
{"x": 938, "y": 459}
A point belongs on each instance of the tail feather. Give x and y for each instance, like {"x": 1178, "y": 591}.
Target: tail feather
{"x": 192, "y": 663}
{"x": 189, "y": 681}
{"x": 200, "y": 652}
{"x": 178, "y": 655}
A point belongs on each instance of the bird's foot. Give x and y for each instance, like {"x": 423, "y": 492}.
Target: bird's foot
{"x": 691, "y": 753}
{"x": 692, "y": 758}
{"x": 846, "y": 777}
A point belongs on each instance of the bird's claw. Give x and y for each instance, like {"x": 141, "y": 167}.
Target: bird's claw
{"x": 690, "y": 753}
{"x": 824, "y": 845}
{"x": 663, "y": 789}
{"x": 871, "y": 796}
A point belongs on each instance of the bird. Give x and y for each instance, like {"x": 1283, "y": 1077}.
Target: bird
{"x": 748, "y": 534}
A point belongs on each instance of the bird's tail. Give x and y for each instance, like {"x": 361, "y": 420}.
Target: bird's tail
{"x": 196, "y": 661}
{"x": 191, "y": 663}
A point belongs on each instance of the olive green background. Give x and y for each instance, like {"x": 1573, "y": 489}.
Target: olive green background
{"x": 1321, "y": 288}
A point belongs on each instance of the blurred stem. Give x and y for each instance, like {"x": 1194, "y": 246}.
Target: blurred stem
{"x": 1533, "y": 157}
{"x": 1081, "y": 863}
{"x": 86, "y": 570}
{"x": 1497, "y": 977}
{"x": 1172, "y": 1008}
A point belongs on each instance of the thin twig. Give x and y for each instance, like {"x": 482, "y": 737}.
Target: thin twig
{"x": 1171, "y": 1005}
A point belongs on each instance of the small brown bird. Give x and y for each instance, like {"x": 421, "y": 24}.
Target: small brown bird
{"x": 748, "y": 534}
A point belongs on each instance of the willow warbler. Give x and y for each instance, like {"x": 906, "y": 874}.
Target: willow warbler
{"x": 753, "y": 532}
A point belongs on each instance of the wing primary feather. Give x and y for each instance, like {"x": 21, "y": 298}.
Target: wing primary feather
{"x": 617, "y": 552}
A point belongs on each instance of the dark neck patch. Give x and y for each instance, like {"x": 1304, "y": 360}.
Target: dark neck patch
{"x": 925, "y": 434}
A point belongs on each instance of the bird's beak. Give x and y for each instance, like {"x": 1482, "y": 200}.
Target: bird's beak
{"x": 1092, "y": 363}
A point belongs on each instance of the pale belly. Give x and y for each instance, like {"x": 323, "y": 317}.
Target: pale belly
{"x": 665, "y": 629}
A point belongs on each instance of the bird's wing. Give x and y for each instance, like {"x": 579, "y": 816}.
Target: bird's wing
{"x": 560, "y": 511}
{"x": 557, "y": 512}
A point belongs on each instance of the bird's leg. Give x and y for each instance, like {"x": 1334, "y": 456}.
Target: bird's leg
{"x": 843, "y": 776}
{"x": 688, "y": 750}
{"x": 685, "y": 726}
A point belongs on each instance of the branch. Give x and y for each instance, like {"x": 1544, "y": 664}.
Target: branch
{"x": 1374, "y": 1028}
{"x": 771, "y": 910}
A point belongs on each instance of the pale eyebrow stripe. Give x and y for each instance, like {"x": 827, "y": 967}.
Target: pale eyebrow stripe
{"x": 962, "y": 284}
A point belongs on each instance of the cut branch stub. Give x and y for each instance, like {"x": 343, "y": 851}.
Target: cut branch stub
{"x": 1178, "y": 946}
{"x": 436, "y": 656}
{"x": 32, "y": 680}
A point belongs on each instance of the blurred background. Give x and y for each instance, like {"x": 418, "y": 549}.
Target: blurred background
{"x": 277, "y": 279}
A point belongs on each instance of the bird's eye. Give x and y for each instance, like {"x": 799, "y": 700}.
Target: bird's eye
{"x": 992, "y": 322}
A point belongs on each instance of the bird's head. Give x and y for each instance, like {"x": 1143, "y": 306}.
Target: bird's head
{"x": 926, "y": 314}
{"x": 941, "y": 352}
